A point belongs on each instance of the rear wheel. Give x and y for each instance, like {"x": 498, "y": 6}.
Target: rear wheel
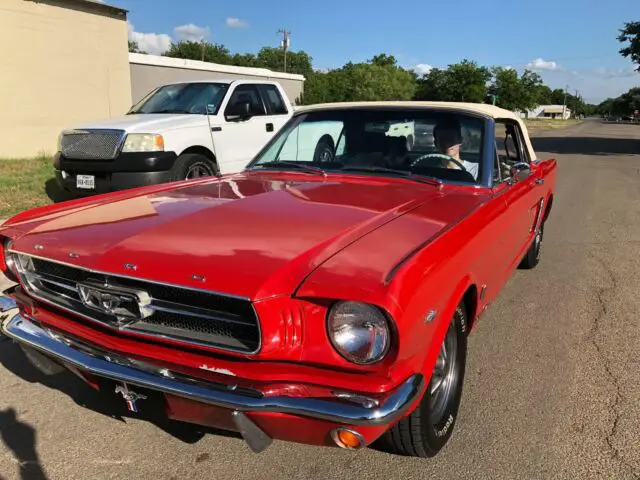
{"x": 532, "y": 258}
{"x": 325, "y": 150}
{"x": 192, "y": 165}
{"x": 428, "y": 428}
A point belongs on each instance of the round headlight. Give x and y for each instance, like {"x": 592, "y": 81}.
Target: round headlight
{"x": 359, "y": 332}
{"x": 8, "y": 258}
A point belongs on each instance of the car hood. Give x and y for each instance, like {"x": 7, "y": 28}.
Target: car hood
{"x": 146, "y": 123}
{"x": 254, "y": 234}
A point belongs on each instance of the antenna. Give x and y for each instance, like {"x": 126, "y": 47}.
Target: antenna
{"x": 284, "y": 44}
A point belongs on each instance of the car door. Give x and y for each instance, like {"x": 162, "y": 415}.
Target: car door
{"x": 239, "y": 138}
{"x": 520, "y": 189}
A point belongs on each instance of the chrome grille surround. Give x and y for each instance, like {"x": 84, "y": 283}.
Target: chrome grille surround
{"x": 92, "y": 144}
{"x": 190, "y": 316}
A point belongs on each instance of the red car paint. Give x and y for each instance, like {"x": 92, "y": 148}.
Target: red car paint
{"x": 293, "y": 243}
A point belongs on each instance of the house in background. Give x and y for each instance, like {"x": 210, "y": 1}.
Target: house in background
{"x": 70, "y": 64}
{"x": 555, "y": 112}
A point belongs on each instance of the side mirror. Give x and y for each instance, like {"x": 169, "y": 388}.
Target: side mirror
{"x": 239, "y": 111}
{"x": 520, "y": 171}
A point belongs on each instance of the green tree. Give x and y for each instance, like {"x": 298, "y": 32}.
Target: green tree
{"x": 461, "y": 82}
{"x": 134, "y": 47}
{"x": 273, "y": 58}
{"x": 212, "y": 52}
{"x": 630, "y": 36}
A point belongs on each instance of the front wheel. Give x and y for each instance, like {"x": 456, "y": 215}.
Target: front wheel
{"x": 428, "y": 428}
{"x": 192, "y": 165}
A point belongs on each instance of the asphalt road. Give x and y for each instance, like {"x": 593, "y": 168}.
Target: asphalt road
{"x": 552, "y": 387}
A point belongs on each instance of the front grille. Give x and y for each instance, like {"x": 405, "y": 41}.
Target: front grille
{"x": 191, "y": 316}
{"x": 91, "y": 144}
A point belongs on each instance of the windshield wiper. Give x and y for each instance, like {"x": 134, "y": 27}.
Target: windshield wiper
{"x": 292, "y": 164}
{"x": 402, "y": 173}
{"x": 171, "y": 110}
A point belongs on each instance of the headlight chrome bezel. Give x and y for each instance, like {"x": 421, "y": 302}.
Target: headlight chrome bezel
{"x": 371, "y": 317}
{"x": 143, "y": 142}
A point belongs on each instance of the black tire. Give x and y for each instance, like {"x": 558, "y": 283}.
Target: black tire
{"x": 325, "y": 150}
{"x": 428, "y": 428}
{"x": 188, "y": 164}
{"x": 532, "y": 258}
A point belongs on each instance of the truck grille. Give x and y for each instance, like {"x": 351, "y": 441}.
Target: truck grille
{"x": 152, "y": 309}
{"x": 91, "y": 144}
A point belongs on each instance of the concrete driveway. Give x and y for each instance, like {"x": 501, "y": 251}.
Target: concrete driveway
{"x": 552, "y": 387}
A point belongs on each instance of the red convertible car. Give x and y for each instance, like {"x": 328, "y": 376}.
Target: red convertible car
{"x": 324, "y": 295}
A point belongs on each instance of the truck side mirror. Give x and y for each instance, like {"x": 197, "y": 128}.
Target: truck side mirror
{"x": 239, "y": 111}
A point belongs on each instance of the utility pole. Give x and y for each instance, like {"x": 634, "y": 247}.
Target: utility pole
{"x": 285, "y": 44}
{"x": 202, "y": 49}
{"x": 564, "y": 103}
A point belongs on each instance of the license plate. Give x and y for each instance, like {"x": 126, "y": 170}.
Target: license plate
{"x": 86, "y": 181}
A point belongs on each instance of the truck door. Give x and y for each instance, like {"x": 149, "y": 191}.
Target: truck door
{"x": 239, "y": 137}
{"x": 278, "y": 111}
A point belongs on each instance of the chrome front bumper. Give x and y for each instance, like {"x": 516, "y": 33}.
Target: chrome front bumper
{"x": 345, "y": 409}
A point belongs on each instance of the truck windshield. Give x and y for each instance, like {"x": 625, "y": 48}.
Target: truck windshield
{"x": 193, "y": 98}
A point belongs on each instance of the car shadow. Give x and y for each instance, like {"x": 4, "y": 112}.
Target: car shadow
{"x": 20, "y": 438}
{"x": 587, "y": 145}
{"x": 54, "y": 192}
{"x": 13, "y": 359}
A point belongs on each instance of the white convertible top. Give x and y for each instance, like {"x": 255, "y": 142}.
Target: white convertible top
{"x": 484, "y": 109}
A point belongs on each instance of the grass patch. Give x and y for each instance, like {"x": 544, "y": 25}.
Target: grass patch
{"x": 548, "y": 124}
{"x": 22, "y": 184}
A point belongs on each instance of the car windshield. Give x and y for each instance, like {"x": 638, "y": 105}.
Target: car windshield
{"x": 194, "y": 98}
{"x": 446, "y": 146}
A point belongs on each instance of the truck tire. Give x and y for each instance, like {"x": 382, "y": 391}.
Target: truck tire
{"x": 325, "y": 150}
{"x": 427, "y": 429}
{"x": 532, "y": 258}
{"x": 193, "y": 165}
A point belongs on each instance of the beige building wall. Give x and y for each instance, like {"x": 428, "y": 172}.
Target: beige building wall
{"x": 62, "y": 62}
{"x": 150, "y": 71}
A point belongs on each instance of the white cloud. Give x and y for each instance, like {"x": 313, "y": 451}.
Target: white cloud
{"x": 594, "y": 84}
{"x": 153, "y": 43}
{"x": 191, "y": 33}
{"x": 233, "y": 22}
{"x": 422, "y": 68}
{"x": 540, "y": 64}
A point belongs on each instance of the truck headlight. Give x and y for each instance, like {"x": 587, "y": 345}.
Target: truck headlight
{"x": 359, "y": 332}
{"x": 143, "y": 142}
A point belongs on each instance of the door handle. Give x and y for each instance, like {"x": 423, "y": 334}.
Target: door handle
{"x": 539, "y": 181}
{"x": 269, "y": 127}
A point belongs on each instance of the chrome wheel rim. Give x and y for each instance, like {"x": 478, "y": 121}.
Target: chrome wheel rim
{"x": 538, "y": 241}
{"x": 445, "y": 375}
{"x": 198, "y": 170}
{"x": 326, "y": 155}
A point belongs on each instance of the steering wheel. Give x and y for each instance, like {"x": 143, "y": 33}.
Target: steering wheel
{"x": 440, "y": 158}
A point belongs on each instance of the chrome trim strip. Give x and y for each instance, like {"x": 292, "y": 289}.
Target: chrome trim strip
{"x": 139, "y": 279}
{"x": 395, "y": 405}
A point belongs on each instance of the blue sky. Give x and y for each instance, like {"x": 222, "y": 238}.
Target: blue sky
{"x": 569, "y": 42}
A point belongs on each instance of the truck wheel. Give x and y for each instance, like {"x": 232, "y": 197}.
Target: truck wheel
{"x": 192, "y": 165}
{"x": 532, "y": 257}
{"x": 325, "y": 150}
{"x": 428, "y": 428}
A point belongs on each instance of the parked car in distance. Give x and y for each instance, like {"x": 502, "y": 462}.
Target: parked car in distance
{"x": 322, "y": 301}
{"x": 178, "y": 131}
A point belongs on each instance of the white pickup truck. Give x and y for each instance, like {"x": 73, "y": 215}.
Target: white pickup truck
{"x": 178, "y": 131}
